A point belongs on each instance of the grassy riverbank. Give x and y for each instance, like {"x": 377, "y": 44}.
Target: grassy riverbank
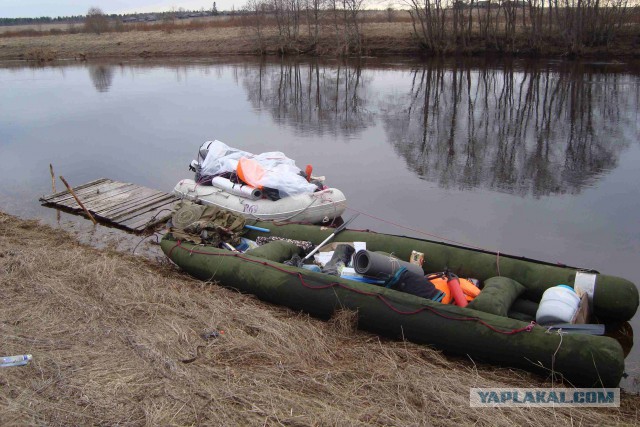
{"x": 118, "y": 339}
{"x": 375, "y": 39}
{"x": 380, "y": 38}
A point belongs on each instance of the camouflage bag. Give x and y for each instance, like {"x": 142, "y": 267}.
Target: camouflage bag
{"x": 209, "y": 225}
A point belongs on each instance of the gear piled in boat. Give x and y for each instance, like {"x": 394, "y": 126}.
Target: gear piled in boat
{"x": 267, "y": 186}
{"x": 496, "y": 326}
{"x": 270, "y": 174}
{"x": 213, "y": 226}
{"x": 208, "y": 225}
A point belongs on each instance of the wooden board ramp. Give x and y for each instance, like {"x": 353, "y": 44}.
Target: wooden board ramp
{"x": 121, "y": 204}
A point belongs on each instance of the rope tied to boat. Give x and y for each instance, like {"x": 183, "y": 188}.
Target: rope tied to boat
{"x": 385, "y": 301}
{"x": 552, "y": 330}
{"x": 322, "y": 196}
{"x": 424, "y": 233}
{"x": 560, "y": 333}
{"x": 433, "y": 236}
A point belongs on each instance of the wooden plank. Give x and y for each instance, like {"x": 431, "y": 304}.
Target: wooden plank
{"x": 152, "y": 222}
{"x": 91, "y": 203}
{"x": 143, "y": 207}
{"x": 89, "y": 193}
{"x": 103, "y": 191}
{"x": 149, "y": 220}
{"x": 133, "y": 205}
{"x": 142, "y": 222}
{"x": 107, "y": 202}
{"x": 140, "y": 209}
{"x": 125, "y": 205}
{"x": 150, "y": 216}
{"x": 116, "y": 198}
{"x": 135, "y": 196}
{"x": 51, "y": 197}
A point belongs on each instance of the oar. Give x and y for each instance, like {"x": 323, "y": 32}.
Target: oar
{"x": 578, "y": 328}
{"x": 331, "y": 236}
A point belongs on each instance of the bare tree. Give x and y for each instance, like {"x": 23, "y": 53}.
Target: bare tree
{"x": 256, "y": 9}
{"x": 429, "y": 19}
{"x": 96, "y": 21}
{"x": 353, "y": 36}
{"x": 313, "y": 12}
{"x": 445, "y": 26}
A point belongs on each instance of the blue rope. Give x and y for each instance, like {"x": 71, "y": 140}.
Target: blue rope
{"x": 395, "y": 278}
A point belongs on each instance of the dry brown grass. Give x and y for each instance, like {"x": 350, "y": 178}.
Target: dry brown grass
{"x": 34, "y": 29}
{"x": 208, "y": 41}
{"x": 40, "y": 54}
{"x": 117, "y": 340}
{"x": 131, "y": 44}
{"x": 221, "y": 21}
{"x": 380, "y": 34}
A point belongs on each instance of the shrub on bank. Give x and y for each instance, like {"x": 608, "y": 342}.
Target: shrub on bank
{"x": 40, "y": 54}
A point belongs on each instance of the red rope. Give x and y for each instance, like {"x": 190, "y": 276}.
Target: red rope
{"x": 432, "y": 235}
{"x": 419, "y": 231}
{"x": 385, "y": 301}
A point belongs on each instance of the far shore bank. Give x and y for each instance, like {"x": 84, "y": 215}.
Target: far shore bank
{"x": 378, "y": 39}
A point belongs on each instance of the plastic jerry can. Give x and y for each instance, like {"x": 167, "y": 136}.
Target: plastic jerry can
{"x": 558, "y": 305}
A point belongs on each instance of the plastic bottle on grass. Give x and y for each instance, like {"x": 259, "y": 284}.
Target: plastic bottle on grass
{"x": 20, "y": 360}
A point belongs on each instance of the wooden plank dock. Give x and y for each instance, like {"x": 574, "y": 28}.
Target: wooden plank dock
{"x": 120, "y": 204}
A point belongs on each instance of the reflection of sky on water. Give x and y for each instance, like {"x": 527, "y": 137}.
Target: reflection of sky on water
{"x": 359, "y": 127}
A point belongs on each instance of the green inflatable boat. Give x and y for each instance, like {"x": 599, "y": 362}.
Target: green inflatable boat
{"x": 490, "y": 329}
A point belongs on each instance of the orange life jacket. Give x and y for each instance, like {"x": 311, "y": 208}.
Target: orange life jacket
{"x": 469, "y": 290}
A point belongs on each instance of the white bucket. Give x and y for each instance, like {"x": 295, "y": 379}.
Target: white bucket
{"x": 558, "y": 305}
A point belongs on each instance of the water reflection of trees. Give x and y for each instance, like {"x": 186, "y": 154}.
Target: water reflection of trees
{"x": 101, "y": 76}
{"x": 535, "y": 131}
{"x": 311, "y": 97}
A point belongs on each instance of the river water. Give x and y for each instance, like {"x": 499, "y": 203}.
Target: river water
{"x": 538, "y": 159}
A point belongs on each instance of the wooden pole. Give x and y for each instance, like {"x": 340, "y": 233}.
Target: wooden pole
{"x": 53, "y": 178}
{"x": 53, "y": 188}
{"x": 78, "y": 200}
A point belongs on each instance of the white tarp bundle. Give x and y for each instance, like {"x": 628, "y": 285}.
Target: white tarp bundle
{"x": 281, "y": 172}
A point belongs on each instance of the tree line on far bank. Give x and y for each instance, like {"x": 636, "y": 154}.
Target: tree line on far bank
{"x": 532, "y": 24}
{"x": 435, "y": 26}
{"x": 457, "y": 26}
{"x": 42, "y": 20}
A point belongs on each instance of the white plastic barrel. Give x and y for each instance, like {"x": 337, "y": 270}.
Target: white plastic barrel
{"x": 558, "y": 305}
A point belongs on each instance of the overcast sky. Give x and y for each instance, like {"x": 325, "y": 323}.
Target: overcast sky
{"x": 53, "y": 8}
